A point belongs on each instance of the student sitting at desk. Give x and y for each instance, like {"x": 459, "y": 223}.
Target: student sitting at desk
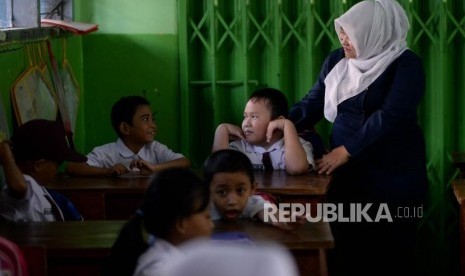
{"x": 136, "y": 149}
{"x": 38, "y": 149}
{"x": 267, "y": 137}
{"x": 173, "y": 212}
{"x": 232, "y": 186}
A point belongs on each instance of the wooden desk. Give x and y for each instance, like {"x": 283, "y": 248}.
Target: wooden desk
{"x": 71, "y": 248}
{"x": 459, "y": 191}
{"x": 103, "y": 198}
{"x": 81, "y": 248}
{"x": 107, "y": 198}
{"x": 291, "y": 188}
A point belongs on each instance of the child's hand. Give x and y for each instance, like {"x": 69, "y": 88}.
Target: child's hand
{"x": 143, "y": 166}
{"x": 289, "y": 226}
{"x": 117, "y": 169}
{"x": 234, "y": 132}
{"x": 277, "y": 124}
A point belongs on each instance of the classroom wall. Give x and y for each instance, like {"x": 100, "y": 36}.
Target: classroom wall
{"x": 14, "y": 60}
{"x": 135, "y": 51}
{"x": 232, "y": 46}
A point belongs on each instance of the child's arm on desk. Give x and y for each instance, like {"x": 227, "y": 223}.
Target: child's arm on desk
{"x": 84, "y": 169}
{"x": 148, "y": 168}
{"x": 299, "y": 220}
{"x": 17, "y": 185}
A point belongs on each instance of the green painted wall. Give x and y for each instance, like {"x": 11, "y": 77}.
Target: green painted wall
{"x": 119, "y": 65}
{"x": 14, "y": 61}
{"x": 135, "y": 51}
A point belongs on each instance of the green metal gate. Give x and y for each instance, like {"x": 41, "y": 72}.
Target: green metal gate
{"x": 228, "y": 47}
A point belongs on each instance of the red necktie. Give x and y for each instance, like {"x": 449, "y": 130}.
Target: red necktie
{"x": 266, "y": 160}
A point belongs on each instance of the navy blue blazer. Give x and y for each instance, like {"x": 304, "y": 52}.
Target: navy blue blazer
{"x": 378, "y": 127}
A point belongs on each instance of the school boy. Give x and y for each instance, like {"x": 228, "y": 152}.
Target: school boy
{"x": 232, "y": 189}
{"x": 38, "y": 147}
{"x": 267, "y": 137}
{"x": 135, "y": 149}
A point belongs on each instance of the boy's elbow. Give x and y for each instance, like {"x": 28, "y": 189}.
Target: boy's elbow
{"x": 297, "y": 170}
{"x": 186, "y": 162}
{"x": 182, "y": 162}
{"x": 76, "y": 168}
{"x": 70, "y": 167}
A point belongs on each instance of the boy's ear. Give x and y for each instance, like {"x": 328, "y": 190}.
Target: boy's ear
{"x": 180, "y": 226}
{"x": 124, "y": 128}
{"x": 253, "y": 188}
{"x": 37, "y": 165}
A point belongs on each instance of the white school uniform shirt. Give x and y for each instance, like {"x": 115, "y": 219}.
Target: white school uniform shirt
{"x": 254, "y": 205}
{"x": 230, "y": 258}
{"x": 153, "y": 261}
{"x": 255, "y": 153}
{"x": 33, "y": 207}
{"x": 108, "y": 155}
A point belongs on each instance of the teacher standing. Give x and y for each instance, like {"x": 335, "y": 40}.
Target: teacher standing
{"x": 370, "y": 90}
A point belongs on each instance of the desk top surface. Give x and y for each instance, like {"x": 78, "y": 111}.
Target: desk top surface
{"x": 276, "y": 182}
{"x": 65, "y": 237}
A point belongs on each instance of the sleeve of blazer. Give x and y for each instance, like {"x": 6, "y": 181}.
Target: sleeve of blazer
{"x": 399, "y": 107}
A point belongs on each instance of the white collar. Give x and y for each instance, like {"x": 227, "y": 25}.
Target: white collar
{"x": 259, "y": 149}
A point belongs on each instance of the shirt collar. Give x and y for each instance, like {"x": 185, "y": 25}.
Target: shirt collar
{"x": 125, "y": 152}
{"x": 122, "y": 149}
{"x": 259, "y": 149}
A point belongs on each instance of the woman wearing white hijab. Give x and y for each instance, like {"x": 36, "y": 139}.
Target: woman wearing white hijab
{"x": 370, "y": 90}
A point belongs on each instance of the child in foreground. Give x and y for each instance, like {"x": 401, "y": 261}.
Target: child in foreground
{"x": 38, "y": 148}
{"x": 232, "y": 259}
{"x": 232, "y": 183}
{"x": 135, "y": 150}
{"x": 267, "y": 137}
{"x": 173, "y": 212}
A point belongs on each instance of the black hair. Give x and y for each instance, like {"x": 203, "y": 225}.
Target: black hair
{"x": 124, "y": 109}
{"x": 229, "y": 161}
{"x": 274, "y": 98}
{"x": 173, "y": 194}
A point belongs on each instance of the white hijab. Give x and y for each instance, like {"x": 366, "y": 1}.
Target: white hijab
{"x": 378, "y": 31}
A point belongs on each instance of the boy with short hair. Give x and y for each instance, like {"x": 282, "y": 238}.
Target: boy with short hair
{"x": 231, "y": 177}
{"x": 38, "y": 147}
{"x": 135, "y": 149}
{"x": 267, "y": 137}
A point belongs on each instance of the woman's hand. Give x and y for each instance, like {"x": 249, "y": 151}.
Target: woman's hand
{"x": 331, "y": 161}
